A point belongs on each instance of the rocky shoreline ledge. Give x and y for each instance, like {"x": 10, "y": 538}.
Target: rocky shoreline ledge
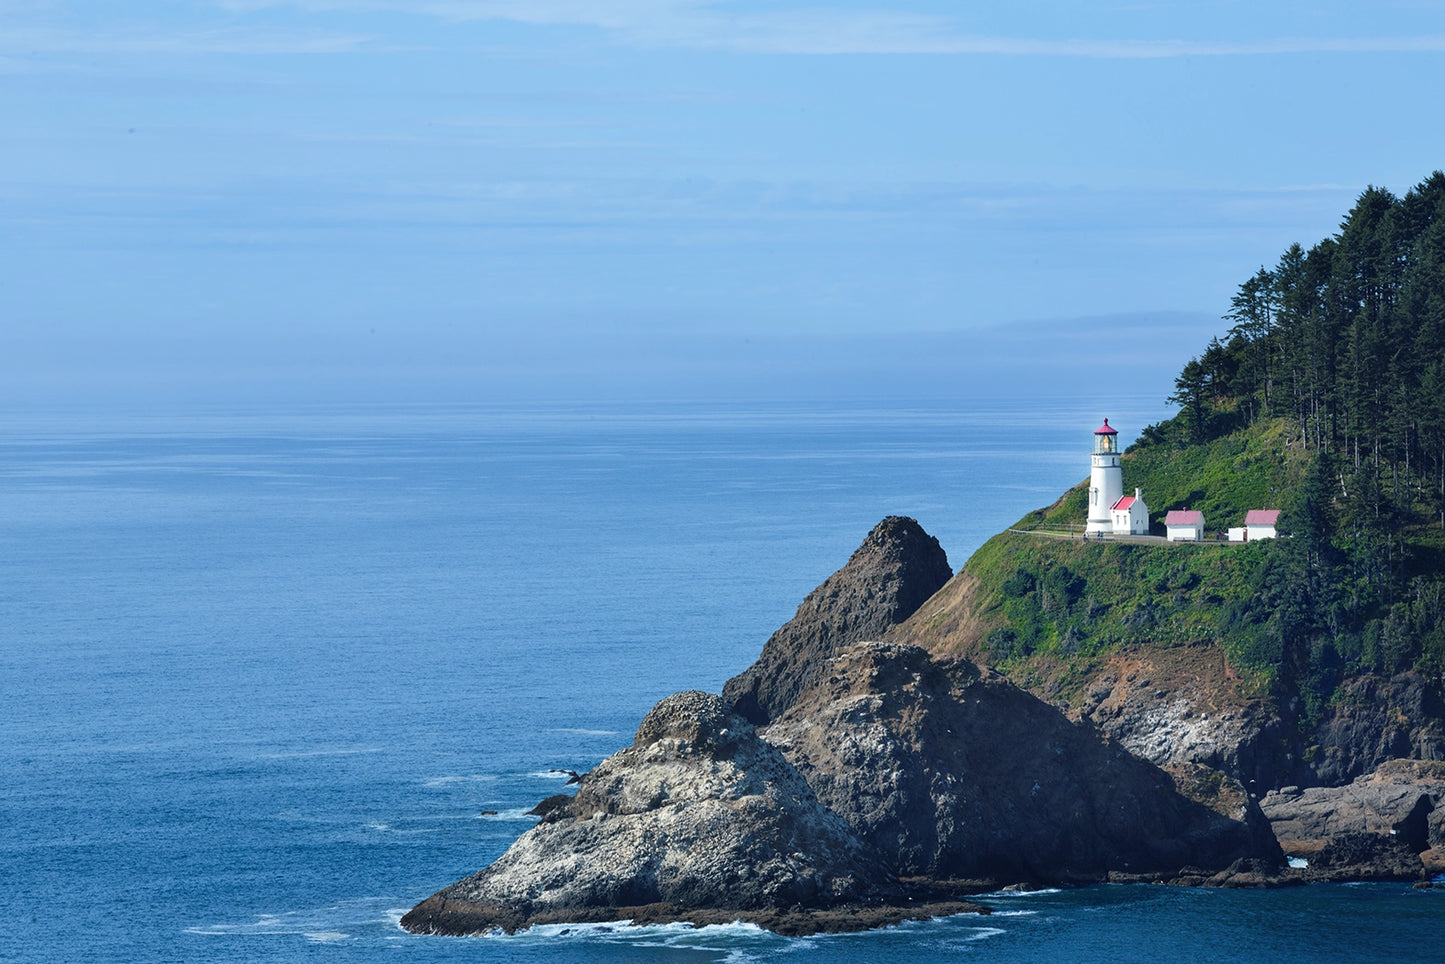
{"x": 851, "y": 780}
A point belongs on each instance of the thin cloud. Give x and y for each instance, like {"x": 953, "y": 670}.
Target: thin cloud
{"x": 714, "y": 24}
{"x": 137, "y": 41}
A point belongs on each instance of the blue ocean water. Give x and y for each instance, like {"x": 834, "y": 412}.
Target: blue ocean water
{"x": 262, "y": 675}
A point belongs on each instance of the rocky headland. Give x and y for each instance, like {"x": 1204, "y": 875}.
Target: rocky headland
{"x": 853, "y": 778}
{"x": 954, "y": 773}
{"x": 1068, "y": 710}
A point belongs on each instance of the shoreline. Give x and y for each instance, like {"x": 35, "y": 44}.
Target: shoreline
{"x": 454, "y": 918}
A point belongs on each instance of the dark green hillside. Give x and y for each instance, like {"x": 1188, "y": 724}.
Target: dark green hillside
{"x": 1324, "y": 398}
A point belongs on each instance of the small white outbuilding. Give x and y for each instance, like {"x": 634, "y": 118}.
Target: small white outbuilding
{"x": 1184, "y": 525}
{"x": 1260, "y": 523}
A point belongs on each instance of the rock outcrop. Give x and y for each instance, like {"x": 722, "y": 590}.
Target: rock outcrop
{"x": 699, "y": 820}
{"x": 1389, "y": 823}
{"x": 1375, "y": 719}
{"x": 891, "y": 574}
{"x": 1178, "y": 705}
{"x": 954, "y": 774}
{"x": 1363, "y": 856}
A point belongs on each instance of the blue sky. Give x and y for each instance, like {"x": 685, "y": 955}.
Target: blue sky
{"x": 202, "y": 191}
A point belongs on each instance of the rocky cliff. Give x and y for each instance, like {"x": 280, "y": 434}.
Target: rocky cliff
{"x": 1389, "y": 823}
{"x": 1156, "y": 674}
{"x": 891, "y": 574}
{"x": 1137, "y": 652}
{"x": 699, "y": 820}
{"x": 887, "y": 781}
{"x": 952, "y": 773}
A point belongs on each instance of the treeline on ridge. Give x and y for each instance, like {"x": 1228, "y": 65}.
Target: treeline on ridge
{"x": 1344, "y": 345}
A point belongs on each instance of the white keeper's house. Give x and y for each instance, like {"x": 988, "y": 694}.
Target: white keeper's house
{"x": 1131, "y": 515}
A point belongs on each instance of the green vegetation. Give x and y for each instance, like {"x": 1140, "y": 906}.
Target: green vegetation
{"x": 1066, "y": 599}
{"x": 1326, "y": 400}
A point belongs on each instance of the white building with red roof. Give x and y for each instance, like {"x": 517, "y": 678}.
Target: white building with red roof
{"x": 1260, "y": 523}
{"x": 1130, "y": 515}
{"x": 1184, "y": 525}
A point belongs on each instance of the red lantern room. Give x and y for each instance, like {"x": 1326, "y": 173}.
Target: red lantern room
{"x": 1106, "y": 440}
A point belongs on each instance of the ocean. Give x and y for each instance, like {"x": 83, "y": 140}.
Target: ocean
{"x": 270, "y": 679}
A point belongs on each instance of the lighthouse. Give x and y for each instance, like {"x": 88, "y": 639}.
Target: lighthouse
{"x": 1106, "y": 480}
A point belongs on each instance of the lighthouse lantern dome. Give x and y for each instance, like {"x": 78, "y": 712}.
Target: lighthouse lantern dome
{"x": 1106, "y": 439}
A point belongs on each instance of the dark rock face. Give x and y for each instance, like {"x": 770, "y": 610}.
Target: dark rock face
{"x": 892, "y": 573}
{"x": 951, "y": 774}
{"x": 1169, "y": 706}
{"x": 698, "y": 820}
{"x": 1376, "y": 719}
{"x": 1364, "y": 856}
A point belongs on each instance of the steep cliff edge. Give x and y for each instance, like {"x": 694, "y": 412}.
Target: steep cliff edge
{"x": 1169, "y": 699}
{"x": 952, "y": 773}
{"x": 1137, "y": 639}
{"x": 888, "y": 577}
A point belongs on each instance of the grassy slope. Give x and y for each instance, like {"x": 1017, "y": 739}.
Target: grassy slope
{"x": 1252, "y": 469}
{"x": 1051, "y": 610}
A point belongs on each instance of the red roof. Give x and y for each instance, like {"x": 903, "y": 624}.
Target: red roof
{"x": 1124, "y": 503}
{"x": 1184, "y": 517}
{"x": 1261, "y": 517}
{"x": 1105, "y": 429}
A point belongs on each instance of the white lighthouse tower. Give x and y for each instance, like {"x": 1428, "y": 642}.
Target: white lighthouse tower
{"x": 1106, "y": 481}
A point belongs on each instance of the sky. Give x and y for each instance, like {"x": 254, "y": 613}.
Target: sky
{"x": 492, "y": 199}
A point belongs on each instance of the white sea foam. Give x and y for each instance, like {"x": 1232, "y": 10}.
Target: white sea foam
{"x": 1007, "y": 894}
{"x": 318, "y": 925}
{"x": 984, "y": 933}
{"x": 381, "y": 827}
{"x": 1014, "y": 913}
{"x": 737, "y": 941}
{"x": 515, "y": 813}
{"x": 1298, "y": 863}
{"x": 550, "y": 774}
{"x": 436, "y": 783}
{"x": 326, "y": 937}
{"x": 303, "y": 754}
{"x": 574, "y": 930}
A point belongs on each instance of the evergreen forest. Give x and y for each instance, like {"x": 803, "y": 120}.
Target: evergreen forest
{"x": 1341, "y": 348}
